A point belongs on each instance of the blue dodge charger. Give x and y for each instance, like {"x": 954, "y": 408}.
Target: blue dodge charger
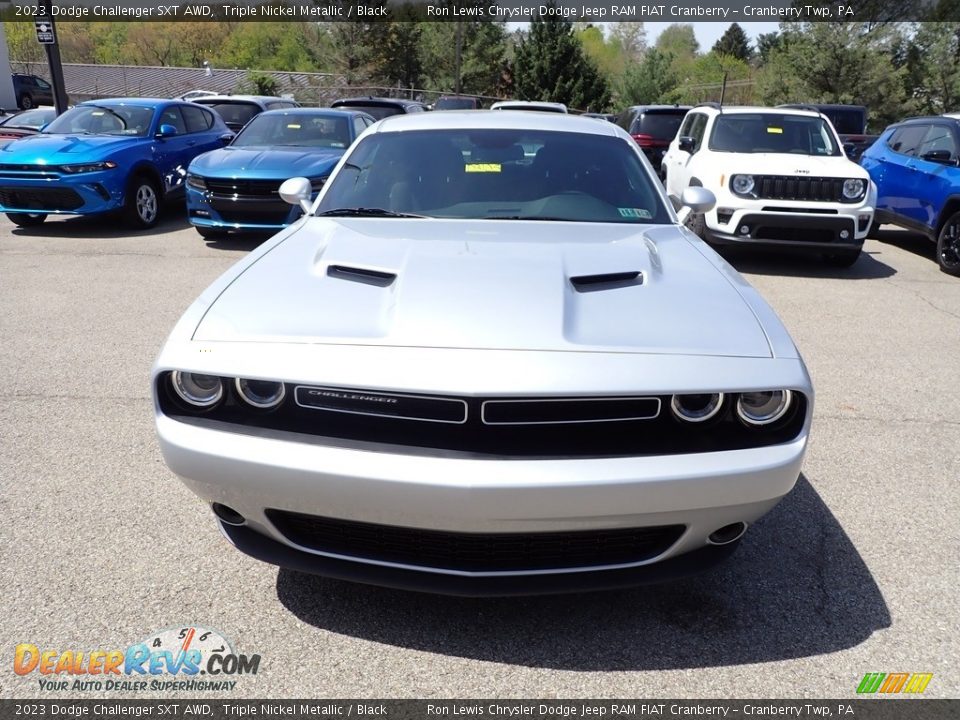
{"x": 235, "y": 189}
{"x": 126, "y": 154}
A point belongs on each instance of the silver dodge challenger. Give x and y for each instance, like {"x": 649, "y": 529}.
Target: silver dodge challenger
{"x": 488, "y": 360}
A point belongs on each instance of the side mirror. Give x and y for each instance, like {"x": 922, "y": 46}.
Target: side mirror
{"x": 227, "y": 137}
{"x": 938, "y": 156}
{"x": 297, "y": 191}
{"x": 695, "y": 200}
{"x": 166, "y": 131}
{"x": 687, "y": 144}
{"x": 849, "y": 149}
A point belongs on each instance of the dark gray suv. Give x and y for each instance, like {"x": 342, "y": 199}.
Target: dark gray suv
{"x": 31, "y": 91}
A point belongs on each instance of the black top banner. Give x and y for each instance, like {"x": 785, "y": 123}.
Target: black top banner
{"x": 242, "y": 709}
{"x": 726, "y": 11}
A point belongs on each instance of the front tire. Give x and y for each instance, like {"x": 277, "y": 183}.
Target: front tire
{"x": 27, "y": 219}
{"x": 698, "y": 224}
{"x": 142, "y": 203}
{"x": 948, "y": 246}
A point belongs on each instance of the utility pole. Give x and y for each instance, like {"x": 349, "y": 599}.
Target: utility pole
{"x": 459, "y": 52}
{"x": 48, "y": 38}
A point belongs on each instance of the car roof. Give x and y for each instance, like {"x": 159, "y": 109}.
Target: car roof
{"x": 745, "y": 109}
{"x": 319, "y": 112}
{"x": 528, "y": 104}
{"x": 242, "y": 98}
{"x": 495, "y": 120}
{"x": 381, "y": 101}
{"x": 135, "y": 101}
{"x": 645, "y": 108}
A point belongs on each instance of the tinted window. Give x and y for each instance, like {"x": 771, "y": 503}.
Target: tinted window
{"x": 455, "y": 104}
{"x": 847, "y": 122}
{"x": 906, "y": 140}
{"x": 359, "y": 125}
{"x": 235, "y": 114}
{"x": 772, "y": 133}
{"x": 295, "y": 129}
{"x": 498, "y": 174}
{"x": 197, "y": 120}
{"x": 104, "y": 118}
{"x": 172, "y": 116}
{"x": 43, "y": 84}
{"x": 659, "y": 125}
{"x": 698, "y": 125}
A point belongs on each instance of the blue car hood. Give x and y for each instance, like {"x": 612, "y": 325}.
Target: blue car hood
{"x": 261, "y": 163}
{"x": 62, "y": 149}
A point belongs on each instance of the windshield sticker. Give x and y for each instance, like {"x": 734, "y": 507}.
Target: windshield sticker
{"x": 775, "y": 130}
{"x": 482, "y": 167}
{"x": 293, "y": 126}
{"x": 635, "y": 213}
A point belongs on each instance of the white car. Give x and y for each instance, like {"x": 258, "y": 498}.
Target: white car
{"x": 780, "y": 177}
{"x": 488, "y": 360}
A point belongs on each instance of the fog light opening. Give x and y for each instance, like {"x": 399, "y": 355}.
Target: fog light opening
{"x": 844, "y": 234}
{"x": 228, "y": 515}
{"x": 744, "y": 229}
{"x": 727, "y": 534}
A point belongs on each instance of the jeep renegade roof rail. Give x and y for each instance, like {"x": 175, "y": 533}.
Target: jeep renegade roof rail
{"x": 714, "y": 105}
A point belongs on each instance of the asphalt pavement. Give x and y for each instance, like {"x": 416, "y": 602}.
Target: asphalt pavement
{"x": 856, "y": 571}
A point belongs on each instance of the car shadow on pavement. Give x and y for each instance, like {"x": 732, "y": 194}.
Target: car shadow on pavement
{"x": 796, "y": 587}
{"x": 912, "y": 242}
{"x": 245, "y": 241}
{"x": 792, "y": 263}
{"x": 111, "y": 225}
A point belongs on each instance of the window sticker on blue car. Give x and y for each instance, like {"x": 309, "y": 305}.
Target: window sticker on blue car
{"x": 293, "y": 126}
{"x": 775, "y": 130}
{"x": 482, "y": 167}
{"x": 635, "y": 213}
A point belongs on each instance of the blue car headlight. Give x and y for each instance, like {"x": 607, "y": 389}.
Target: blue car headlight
{"x": 196, "y": 182}
{"x": 88, "y": 167}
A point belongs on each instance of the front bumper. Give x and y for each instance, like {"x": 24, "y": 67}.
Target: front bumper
{"x": 83, "y": 194}
{"x": 813, "y": 225}
{"x": 254, "y": 474}
{"x": 239, "y": 213}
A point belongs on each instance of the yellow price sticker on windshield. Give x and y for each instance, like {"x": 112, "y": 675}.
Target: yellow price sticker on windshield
{"x": 775, "y": 130}
{"x": 482, "y": 167}
{"x": 293, "y": 126}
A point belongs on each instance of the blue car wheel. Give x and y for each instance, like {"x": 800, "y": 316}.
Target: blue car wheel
{"x": 26, "y": 219}
{"x": 142, "y": 203}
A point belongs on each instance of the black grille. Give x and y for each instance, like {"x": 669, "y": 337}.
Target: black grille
{"x": 475, "y": 552}
{"x": 40, "y": 198}
{"x": 261, "y": 214}
{"x": 576, "y": 436}
{"x": 19, "y": 170}
{"x": 251, "y": 188}
{"x": 792, "y": 187}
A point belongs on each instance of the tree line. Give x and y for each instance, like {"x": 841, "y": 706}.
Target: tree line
{"x": 895, "y": 68}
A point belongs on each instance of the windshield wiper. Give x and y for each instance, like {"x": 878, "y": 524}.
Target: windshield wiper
{"x": 366, "y": 212}
{"x": 527, "y": 217}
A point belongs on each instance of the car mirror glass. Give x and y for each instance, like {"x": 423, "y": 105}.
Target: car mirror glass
{"x": 166, "y": 131}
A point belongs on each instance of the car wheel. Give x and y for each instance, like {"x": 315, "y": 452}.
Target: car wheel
{"x": 211, "y": 233}
{"x": 26, "y": 219}
{"x": 142, "y": 204}
{"x": 26, "y": 102}
{"x": 948, "y": 245}
{"x": 843, "y": 258}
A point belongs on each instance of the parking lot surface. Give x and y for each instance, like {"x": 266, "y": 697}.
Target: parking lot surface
{"x": 855, "y": 571}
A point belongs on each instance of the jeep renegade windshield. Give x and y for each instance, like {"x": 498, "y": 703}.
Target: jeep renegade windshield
{"x": 773, "y": 133}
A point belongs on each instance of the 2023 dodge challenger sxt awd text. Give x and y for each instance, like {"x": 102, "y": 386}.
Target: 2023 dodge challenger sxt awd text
{"x": 489, "y": 360}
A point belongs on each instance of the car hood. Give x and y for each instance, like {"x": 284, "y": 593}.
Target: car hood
{"x": 488, "y": 285}
{"x": 256, "y": 163}
{"x": 792, "y": 164}
{"x": 59, "y": 149}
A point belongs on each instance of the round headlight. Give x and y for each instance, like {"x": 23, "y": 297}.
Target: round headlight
{"x": 742, "y": 184}
{"x": 260, "y": 393}
{"x": 763, "y": 408}
{"x": 853, "y": 188}
{"x": 696, "y": 407}
{"x": 197, "y": 389}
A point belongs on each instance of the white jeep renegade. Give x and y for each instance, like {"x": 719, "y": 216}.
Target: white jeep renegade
{"x": 780, "y": 177}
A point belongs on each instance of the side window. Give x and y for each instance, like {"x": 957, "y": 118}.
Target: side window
{"x": 172, "y": 116}
{"x": 414, "y": 108}
{"x": 43, "y": 84}
{"x": 939, "y": 140}
{"x": 906, "y": 140}
{"x": 359, "y": 125}
{"x": 687, "y": 124}
{"x": 697, "y": 128}
{"x": 197, "y": 120}
{"x": 625, "y": 118}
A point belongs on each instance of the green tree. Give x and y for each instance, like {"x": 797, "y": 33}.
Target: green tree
{"x": 259, "y": 83}
{"x": 550, "y": 65}
{"x": 649, "y": 81}
{"x": 933, "y": 68}
{"x": 631, "y": 38}
{"x": 706, "y": 77}
{"x": 483, "y": 56}
{"x": 766, "y": 44}
{"x": 401, "y": 61}
{"x": 734, "y": 43}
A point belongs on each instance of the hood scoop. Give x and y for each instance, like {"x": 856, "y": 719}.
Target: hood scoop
{"x": 361, "y": 275}
{"x": 606, "y": 281}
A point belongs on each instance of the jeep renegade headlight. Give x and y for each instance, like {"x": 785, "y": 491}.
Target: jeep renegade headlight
{"x": 199, "y": 390}
{"x": 853, "y": 188}
{"x": 742, "y": 184}
{"x": 88, "y": 167}
{"x": 763, "y": 408}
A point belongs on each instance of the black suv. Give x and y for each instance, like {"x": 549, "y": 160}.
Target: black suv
{"x": 379, "y": 107}
{"x": 653, "y": 127}
{"x": 31, "y": 91}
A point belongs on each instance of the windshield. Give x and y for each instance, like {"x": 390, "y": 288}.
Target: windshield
{"x": 847, "y": 122}
{"x": 659, "y": 125}
{"x": 104, "y": 119}
{"x": 294, "y": 129}
{"x": 772, "y": 133}
{"x": 497, "y": 174}
{"x": 33, "y": 119}
{"x": 235, "y": 114}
